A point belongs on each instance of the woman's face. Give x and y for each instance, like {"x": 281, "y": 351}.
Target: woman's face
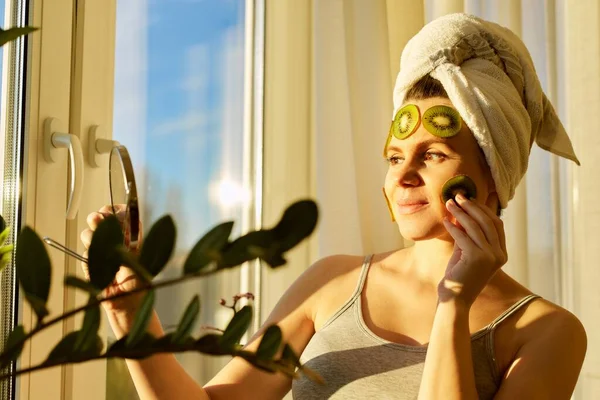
{"x": 418, "y": 167}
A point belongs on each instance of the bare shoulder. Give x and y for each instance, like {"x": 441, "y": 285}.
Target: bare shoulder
{"x": 545, "y": 321}
{"x": 337, "y": 267}
{"x": 548, "y": 360}
{"x": 294, "y": 314}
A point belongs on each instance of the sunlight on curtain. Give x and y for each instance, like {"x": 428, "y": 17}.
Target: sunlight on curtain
{"x": 581, "y": 88}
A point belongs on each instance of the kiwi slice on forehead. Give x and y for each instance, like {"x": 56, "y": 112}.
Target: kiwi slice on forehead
{"x": 442, "y": 121}
{"x": 406, "y": 121}
{"x": 459, "y": 184}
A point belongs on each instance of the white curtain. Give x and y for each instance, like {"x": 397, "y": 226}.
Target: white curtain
{"x": 552, "y": 223}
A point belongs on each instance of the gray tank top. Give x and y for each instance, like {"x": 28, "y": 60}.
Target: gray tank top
{"x": 357, "y": 364}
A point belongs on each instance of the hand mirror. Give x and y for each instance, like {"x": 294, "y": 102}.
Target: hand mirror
{"x": 123, "y": 200}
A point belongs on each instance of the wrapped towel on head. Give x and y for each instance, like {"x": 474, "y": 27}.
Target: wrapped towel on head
{"x": 490, "y": 79}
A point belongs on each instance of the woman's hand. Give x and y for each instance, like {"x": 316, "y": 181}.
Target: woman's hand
{"x": 125, "y": 279}
{"x": 479, "y": 251}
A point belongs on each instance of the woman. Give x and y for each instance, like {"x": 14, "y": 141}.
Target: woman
{"x": 440, "y": 319}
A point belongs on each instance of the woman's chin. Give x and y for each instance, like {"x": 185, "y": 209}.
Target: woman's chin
{"x": 422, "y": 232}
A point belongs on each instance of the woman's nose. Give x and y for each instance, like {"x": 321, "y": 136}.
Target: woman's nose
{"x": 408, "y": 174}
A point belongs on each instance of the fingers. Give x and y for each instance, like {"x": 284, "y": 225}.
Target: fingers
{"x": 482, "y": 215}
{"x": 499, "y": 224}
{"x": 107, "y": 209}
{"x": 86, "y": 237}
{"x": 470, "y": 224}
{"x": 461, "y": 238}
{"x": 93, "y": 219}
{"x": 482, "y": 225}
{"x": 84, "y": 266}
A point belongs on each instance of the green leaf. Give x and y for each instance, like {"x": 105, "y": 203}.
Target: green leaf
{"x": 2, "y": 224}
{"x": 166, "y": 342}
{"x": 33, "y": 271}
{"x": 63, "y": 349}
{"x": 141, "y": 320}
{"x": 270, "y": 343}
{"x": 130, "y": 260}
{"x": 14, "y": 33}
{"x": 208, "y": 248}
{"x": 4, "y": 235}
{"x": 290, "y": 355}
{"x": 66, "y": 350}
{"x": 38, "y": 306}
{"x": 187, "y": 321}
{"x": 246, "y": 248}
{"x": 89, "y": 328}
{"x": 14, "y": 346}
{"x": 5, "y": 255}
{"x": 297, "y": 223}
{"x": 158, "y": 245}
{"x": 78, "y": 283}
{"x": 211, "y": 344}
{"x": 292, "y": 358}
{"x": 104, "y": 260}
{"x": 6, "y": 249}
{"x": 263, "y": 364}
{"x": 122, "y": 350}
{"x": 237, "y": 327}
{"x": 274, "y": 259}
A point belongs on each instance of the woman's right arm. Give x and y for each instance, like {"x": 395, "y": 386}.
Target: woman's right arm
{"x": 159, "y": 376}
{"x": 162, "y": 377}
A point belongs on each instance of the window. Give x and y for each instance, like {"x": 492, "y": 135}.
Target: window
{"x": 179, "y": 108}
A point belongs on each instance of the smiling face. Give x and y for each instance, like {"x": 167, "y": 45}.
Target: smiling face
{"x": 418, "y": 167}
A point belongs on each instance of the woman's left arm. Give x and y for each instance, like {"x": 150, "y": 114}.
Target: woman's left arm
{"x": 546, "y": 366}
{"x": 448, "y": 371}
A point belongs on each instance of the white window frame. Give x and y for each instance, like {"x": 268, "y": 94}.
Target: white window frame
{"x": 71, "y": 78}
{"x": 45, "y": 185}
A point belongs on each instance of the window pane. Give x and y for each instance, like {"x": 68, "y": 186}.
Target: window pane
{"x": 178, "y": 107}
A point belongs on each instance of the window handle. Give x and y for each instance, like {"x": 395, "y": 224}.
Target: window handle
{"x": 54, "y": 140}
{"x": 98, "y": 145}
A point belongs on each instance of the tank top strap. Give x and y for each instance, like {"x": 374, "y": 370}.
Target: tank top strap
{"x": 363, "y": 276}
{"x": 513, "y": 309}
{"x": 355, "y": 295}
{"x": 491, "y": 328}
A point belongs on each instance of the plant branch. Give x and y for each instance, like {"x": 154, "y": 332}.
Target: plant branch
{"x": 89, "y": 305}
{"x": 275, "y": 365}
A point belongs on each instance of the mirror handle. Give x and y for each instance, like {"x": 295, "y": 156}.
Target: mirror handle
{"x": 54, "y": 140}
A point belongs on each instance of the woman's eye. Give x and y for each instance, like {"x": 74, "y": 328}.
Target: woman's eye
{"x": 393, "y": 160}
{"x": 435, "y": 156}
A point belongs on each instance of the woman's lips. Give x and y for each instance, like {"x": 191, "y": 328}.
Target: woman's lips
{"x": 405, "y": 209}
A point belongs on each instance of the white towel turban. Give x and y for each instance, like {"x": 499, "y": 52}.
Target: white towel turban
{"x": 490, "y": 79}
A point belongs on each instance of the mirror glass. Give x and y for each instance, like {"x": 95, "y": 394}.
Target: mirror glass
{"x": 123, "y": 194}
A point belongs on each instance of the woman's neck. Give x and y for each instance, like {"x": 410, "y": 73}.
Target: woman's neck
{"x": 427, "y": 260}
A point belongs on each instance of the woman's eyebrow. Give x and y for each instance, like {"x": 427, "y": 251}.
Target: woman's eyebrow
{"x": 424, "y": 143}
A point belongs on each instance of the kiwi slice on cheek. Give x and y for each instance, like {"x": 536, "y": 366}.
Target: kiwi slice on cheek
{"x": 406, "y": 121}
{"x": 459, "y": 184}
{"x": 442, "y": 121}
{"x": 387, "y": 143}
